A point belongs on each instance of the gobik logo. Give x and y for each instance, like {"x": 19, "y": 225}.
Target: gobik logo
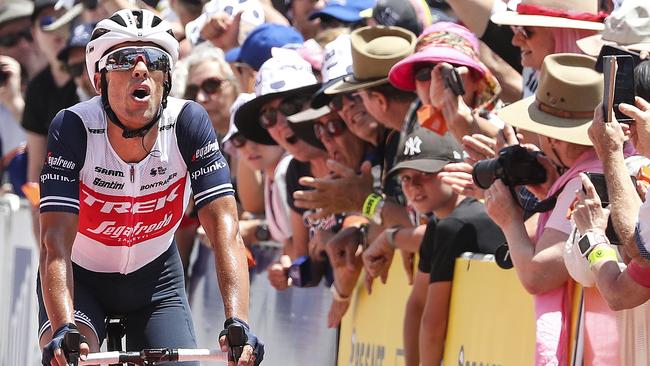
{"x": 127, "y": 221}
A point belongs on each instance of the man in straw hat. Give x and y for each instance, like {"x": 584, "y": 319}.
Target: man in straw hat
{"x": 559, "y": 113}
{"x": 374, "y": 51}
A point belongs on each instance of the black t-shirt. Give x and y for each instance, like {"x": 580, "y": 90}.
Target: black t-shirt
{"x": 467, "y": 229}
{"x": 44, "y": 99}
{"x": 499, "y": 39}
{"x": 424, "y": 265}
{"x": 295, "y": 171}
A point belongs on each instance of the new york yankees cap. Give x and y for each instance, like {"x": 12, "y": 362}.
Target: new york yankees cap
{"x": 424, "y": 150}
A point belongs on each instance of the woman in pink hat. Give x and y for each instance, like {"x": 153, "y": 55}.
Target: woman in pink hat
{"x": 443, "y": 46}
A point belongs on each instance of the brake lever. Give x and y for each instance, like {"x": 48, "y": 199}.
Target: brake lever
{"x": 236, "y": 340}
{"x": 70, "y": 347}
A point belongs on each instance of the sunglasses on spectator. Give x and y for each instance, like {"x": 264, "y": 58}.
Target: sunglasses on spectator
{"x": 209, "y": 86}
{"x": 331, "y": 128}
{"x": 336, "y": 103}
{"x": 127, "y": 57}
{"x": 76, "y": 70}
{"x": 526, "y": 32}
{"x": 12, "y": 39}
{"x": 238, "y": 140}
{"x": 287, "y": 107}
{"x": 423, "y": 73}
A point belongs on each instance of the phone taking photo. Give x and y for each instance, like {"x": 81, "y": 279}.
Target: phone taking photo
{"x": 619, "y": 86}
{"x": 452, "y": 80}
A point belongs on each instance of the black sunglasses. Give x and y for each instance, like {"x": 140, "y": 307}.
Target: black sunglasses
{"x": 287, "y": 107}
{"x": 209, "y": 86}
{"x": 76, "y": 70}
{"x": 12, "y": 39}
{"x": 423, "y": 73}
{"x": 336, "y": 103}
{"x": 331, "y": 128}
{"x": 238, "y": 140}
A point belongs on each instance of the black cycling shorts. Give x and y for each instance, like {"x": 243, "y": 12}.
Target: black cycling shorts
{"x": 152, "y": 301}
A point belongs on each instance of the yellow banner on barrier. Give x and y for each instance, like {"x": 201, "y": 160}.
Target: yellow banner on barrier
{"x": 492, "y": 318}
{"x": 371, "y": 330}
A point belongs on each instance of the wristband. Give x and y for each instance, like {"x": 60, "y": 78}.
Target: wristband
{"x": 337, "y": 296}
{"x": 390, "y": 235}
{"x": 370, "y": 205}
{"x": 601, "y": 253}
{"x": 639, "y": 274}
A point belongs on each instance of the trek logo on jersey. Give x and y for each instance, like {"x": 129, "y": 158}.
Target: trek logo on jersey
{"x": 126, "y": 220}
{"x": 121, "y": 207}
{"x": 58, "y": 162}
{"x": 206, "y": 150}
{"x": 166, "y": 127}
{"x": 209, "y": 169}
{"x": 96, "y": 131}
{"x": 112, "y": 173}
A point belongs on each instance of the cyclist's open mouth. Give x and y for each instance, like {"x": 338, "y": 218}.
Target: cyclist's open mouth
{"x": 141, "y": 94}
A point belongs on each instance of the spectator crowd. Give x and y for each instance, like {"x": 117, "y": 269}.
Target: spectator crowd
{"x": 356, "y": 129}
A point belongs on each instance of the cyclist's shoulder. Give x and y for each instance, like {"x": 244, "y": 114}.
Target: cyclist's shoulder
{"x": 81, "y": 115}
{"x": 185, "y": 112}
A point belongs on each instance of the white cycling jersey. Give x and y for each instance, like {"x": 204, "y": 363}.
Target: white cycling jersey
{"x": 128, "y": 212}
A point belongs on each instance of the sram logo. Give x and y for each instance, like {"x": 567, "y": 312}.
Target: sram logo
{"x": 206, "y": 150}
{"x": 131, "y": 207}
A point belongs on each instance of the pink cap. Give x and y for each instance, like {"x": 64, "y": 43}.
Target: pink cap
{"x": 440, "y": 42}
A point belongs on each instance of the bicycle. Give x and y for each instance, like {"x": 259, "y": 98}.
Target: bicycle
{"x": 151, "y": 356}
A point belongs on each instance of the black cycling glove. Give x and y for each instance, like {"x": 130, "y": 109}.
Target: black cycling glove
{"x": 238, "y": 334}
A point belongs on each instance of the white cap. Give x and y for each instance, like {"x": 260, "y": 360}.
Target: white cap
{"x": 239, "y": 101}
{"x": 337, "y": 58}
{"x": 285, "y": 70}
{"x": 252, "y": 16}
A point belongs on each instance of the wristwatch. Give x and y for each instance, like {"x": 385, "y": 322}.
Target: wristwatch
{"x": 589, "y": 240}
{"x": 390, "y": 235}
{"x": 262, "y": 232}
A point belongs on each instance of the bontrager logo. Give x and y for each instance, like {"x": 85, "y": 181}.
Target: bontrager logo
{"x": 122, "y": 207}
{"x": 209, "y": 169}
{"x": 160, "y": 183}
{"x": 206, "y": 150}
{"x": 59, "y": 162}
{"x": 412, "y": 146}
{"x": 113, "y": 173}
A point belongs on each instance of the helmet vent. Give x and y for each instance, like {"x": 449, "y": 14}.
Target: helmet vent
{"x": 99, "y": 32}
{"x": 138, "y": 18}
{"x": 118, "y": 19}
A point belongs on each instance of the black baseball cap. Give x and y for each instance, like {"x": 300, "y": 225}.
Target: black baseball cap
{"x": 424, "y": 150}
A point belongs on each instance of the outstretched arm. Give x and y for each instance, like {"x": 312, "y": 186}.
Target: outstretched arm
{"x": 219, "y": 219}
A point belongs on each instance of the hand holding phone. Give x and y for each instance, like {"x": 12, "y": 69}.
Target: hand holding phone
{"x": 452, "y": 80}
{"x": 619, "y": 86}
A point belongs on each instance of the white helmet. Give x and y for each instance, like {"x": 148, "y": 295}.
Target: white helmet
{"x": 129, "y": 26}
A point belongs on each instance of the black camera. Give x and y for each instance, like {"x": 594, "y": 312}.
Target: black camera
{"x": 514, "y": 165}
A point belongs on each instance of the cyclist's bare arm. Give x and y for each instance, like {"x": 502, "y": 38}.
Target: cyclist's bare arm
{"x": 58, "y": 230}
{"x": 219, "y": 219}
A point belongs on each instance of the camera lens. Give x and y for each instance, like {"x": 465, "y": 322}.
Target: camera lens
{"x": 485, "y": 172}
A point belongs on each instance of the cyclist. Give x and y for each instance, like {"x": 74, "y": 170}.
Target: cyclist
{"x": 114, "y": 187}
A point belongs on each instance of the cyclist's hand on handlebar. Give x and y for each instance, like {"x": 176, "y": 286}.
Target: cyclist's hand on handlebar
{"x": 240, "y": 343}
{"x": 53, "y": 353}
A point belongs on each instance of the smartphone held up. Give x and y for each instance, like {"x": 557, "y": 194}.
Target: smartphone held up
{"x": 619, "y": 86}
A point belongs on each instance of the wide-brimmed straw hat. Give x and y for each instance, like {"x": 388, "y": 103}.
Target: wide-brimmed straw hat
{"x": 563, "y": 105}
{"x": 574, "y": 14}
{"x": 374, "y": 51}
{"x": 628, "y": 26}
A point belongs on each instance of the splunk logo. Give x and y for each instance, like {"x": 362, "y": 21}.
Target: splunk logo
{"x": 59, "y": 162}
{"x": 206, "y": 150}
{"x": 208, "y": 169}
